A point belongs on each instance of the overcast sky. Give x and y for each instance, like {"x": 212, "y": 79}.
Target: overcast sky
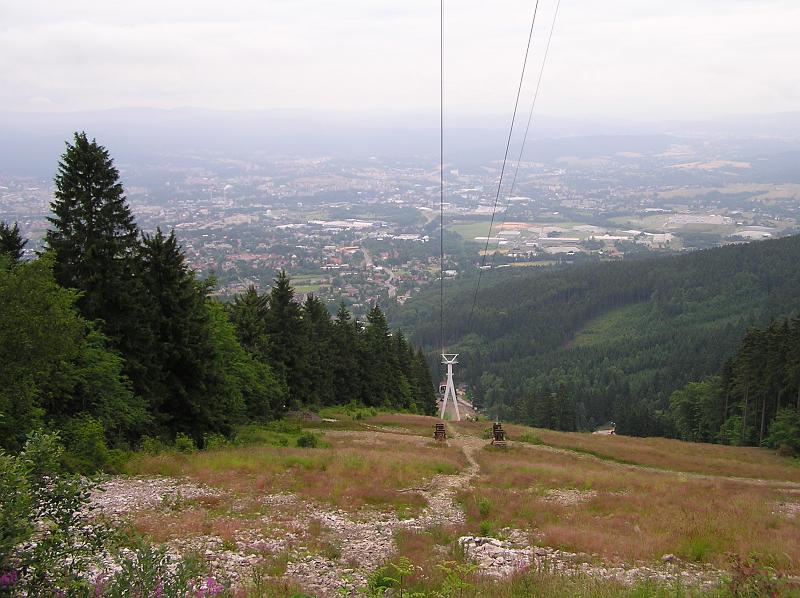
{"x": 637, "y": 59}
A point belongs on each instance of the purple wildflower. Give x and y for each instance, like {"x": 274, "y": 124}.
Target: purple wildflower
{"x": 99, "y": 584}
{"x": 8, "y": 579}
{"x": 213, "y": 587}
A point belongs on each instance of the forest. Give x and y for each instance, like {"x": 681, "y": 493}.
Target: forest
{"x": 755, "y": 397}
{"x": 575, "y": 348}
{"x": 108, "y": 335}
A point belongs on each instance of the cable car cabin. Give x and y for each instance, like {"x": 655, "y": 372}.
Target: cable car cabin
{"x": 498, "y": 435}
{"x": 439, "y": 432}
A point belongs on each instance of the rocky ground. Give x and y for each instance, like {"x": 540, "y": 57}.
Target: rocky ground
{"x": 332, "y": 551}
{"x": 502, "y": 558}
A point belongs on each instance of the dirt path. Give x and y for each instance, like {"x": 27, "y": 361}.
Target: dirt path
{"x": 367, "y": 539}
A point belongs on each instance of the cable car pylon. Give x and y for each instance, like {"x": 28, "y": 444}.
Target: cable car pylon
{"x": 450, "y": 359}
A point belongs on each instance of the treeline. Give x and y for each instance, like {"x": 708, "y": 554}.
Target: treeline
{"x": 109, "y": 335}
{"x": 753, "y": 400}
{"x": 577, "y": 347}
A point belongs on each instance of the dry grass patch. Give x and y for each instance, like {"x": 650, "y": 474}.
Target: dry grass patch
{"x": 629, "y": 514}
{"x": 349, "y": 475}
{"x": 662, "y": 453}
{"x": 419, "y": 425}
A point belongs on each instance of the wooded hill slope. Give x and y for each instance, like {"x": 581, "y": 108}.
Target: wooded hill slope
{"x": 573, "y": 348}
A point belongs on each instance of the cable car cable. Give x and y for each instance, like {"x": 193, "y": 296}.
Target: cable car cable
{"x": 528, "y": 126}
{"x": 503, "y": 167}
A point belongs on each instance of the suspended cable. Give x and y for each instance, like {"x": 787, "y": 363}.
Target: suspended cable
{"x": 441, "y": 174}
{"x": 527, "y": 126}
{"x": 503, "y": 167}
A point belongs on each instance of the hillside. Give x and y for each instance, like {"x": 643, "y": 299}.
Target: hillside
{"x": 573, "y": 348}
{"x": 554, "y": 514}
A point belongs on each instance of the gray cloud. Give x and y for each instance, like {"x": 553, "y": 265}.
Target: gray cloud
{"x": 620, "y": 58}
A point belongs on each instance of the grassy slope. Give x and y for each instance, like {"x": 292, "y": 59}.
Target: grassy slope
{"x": 635, "y": 499}
{"x": 625, "y": 510}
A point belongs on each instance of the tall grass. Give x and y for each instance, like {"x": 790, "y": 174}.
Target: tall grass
{"x": 664, "y": 453}
{"x": 347, "y": 475}
{"x": 631, "y": 514}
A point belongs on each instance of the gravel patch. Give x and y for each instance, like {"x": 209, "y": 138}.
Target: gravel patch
{"x": 569, "y": 498}
{"x": 498, "y": 558}
{"x": 124, "y": 495}
{"x": 787, "y": 509}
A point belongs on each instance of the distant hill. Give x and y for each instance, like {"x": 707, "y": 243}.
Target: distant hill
{"x": 576, "y": 347}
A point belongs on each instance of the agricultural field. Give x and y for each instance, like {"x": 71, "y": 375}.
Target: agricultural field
{"x": 355, "y": 502}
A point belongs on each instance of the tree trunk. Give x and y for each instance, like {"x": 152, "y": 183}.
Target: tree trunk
{"x": 763, "y": 415}
{"x": 744, "y": 413}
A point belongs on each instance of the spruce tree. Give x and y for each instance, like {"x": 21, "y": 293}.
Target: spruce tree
{"x": 93, "y": 235}
{"x": 248, "y": 313}
{"x": 182, "y": 353}
{"x": 286, "y": 339}
{"x": 346, "y": 358}
{"x": 11, "y": 242}
{"x": 94, "y": 239}
{"x": 318, "y": 331}
{"x": 381, "y": 375}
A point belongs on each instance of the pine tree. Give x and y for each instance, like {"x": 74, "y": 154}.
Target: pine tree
{"x": 11, "y": 242}
{"x": 346, "y": 358}
{"x": 95, "y": 242}
{"x": 93, "y": 232}
{"x": 182, "y": 355}
{"x": 249, "y": 312}
{"x": 426, "y": 393}
{"x": 318, "y": 331}
{"x": 381, "y": 375}
{"x": 286, "y": 340}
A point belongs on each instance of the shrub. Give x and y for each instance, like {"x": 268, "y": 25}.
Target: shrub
{"x": 47, "y": 537}
{"x": 151, "y": 571}
{"x": 530, "y": 438}
{"x": 42, "y": 453}
{"x": 749, "y": 578}
{"x": 784, "y": 432}
{"x": 85, "y": 442}
{"x": 153, "y": 446}
{"x": 184, "y": 443}
{"x": 214, "y": 441}
{"x": 488, "y": 527}
{"x": 284, "y": 426}
{"x": 307, "y": 440}
{"x": 15, "y": 506}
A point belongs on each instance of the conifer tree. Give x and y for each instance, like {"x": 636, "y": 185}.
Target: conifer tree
{"x": 318, "y": 331}
{"x": 286, "y": 342}
{"x": 381, "y": 375}
{"x": 11, "y": 242}
{"x": 249, "y": 312}
{"x": 346, "y": 357}
{"x": 95, "y": 242}
{"x": 181, "y": 352}
{"x": 426, "y": 393}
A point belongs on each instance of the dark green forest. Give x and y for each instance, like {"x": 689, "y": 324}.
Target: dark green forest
{"x": 108, "y": 335}
{"x": 755, "y": 397}
{"x": 577, "y": 347}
